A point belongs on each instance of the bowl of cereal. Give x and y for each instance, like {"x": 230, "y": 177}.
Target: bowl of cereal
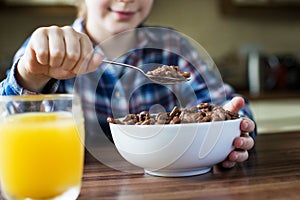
{"x": 183, "y": 142}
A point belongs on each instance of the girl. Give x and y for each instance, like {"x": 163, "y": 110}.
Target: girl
{"x": 54, "y": 58}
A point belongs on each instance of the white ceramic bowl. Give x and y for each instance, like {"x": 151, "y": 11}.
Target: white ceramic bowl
{"x": 176, "y": 150}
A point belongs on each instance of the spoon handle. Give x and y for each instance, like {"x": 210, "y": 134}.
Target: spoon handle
{"x": 123, "y": 64}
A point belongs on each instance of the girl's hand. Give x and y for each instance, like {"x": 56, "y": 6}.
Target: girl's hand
{"x": 243, "y": 143}
{"x": 54, "y": 52}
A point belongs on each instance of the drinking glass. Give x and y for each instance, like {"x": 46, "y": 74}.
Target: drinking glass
{"x": 41, "y": 146}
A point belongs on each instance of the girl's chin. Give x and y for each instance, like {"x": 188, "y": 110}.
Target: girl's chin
{"x": 121, "y": 28}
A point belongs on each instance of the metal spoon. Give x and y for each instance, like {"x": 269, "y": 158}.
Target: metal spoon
{"x": 153, "y": 78}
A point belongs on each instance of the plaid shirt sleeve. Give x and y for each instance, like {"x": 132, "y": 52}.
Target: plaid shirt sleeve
{"x": 10, "y": 86}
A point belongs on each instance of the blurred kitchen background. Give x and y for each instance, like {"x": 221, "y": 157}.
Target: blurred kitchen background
{"x": 255, "y": 44}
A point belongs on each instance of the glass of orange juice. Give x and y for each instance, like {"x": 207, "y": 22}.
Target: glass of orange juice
{"x": 41, "y": 146}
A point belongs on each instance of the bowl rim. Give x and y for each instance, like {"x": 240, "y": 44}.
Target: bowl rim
{"x": 180, "y": 124}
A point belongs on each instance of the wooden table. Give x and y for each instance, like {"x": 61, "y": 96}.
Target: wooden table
{"x": 272, "y": 172}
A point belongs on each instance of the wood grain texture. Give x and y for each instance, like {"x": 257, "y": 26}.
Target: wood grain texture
{"x": 272, "y": 172}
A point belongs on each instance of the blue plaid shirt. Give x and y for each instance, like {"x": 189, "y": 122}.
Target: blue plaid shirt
{"x": 115, "y": 91}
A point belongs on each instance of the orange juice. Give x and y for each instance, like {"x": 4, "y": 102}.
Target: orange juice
{"x": 41, "y": 154}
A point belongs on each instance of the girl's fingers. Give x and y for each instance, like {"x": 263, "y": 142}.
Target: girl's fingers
{"x": 244, "y": 142}
{"x": 247, "y": 125}
{"x": 73, "y": 49}
{"x": 39, "y": 46}
{"x": 87, "y": 53}
{"x": 235, "y": 104}
{"x": 57, "y": 49}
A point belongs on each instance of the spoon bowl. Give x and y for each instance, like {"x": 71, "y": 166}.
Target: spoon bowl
{"x": 154, "y": 78}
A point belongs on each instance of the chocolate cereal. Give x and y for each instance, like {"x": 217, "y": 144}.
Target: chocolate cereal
{"x": 203, "y": 112}
{"x": 169, "y": 71}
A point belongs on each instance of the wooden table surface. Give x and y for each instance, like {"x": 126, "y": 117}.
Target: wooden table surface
{"x": 272, "y": 172}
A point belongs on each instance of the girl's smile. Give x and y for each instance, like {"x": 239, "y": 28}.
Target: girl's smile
{"x": 123, "y": 15}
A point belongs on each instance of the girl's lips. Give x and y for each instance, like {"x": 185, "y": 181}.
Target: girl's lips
{"x": 123, "y": 15}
